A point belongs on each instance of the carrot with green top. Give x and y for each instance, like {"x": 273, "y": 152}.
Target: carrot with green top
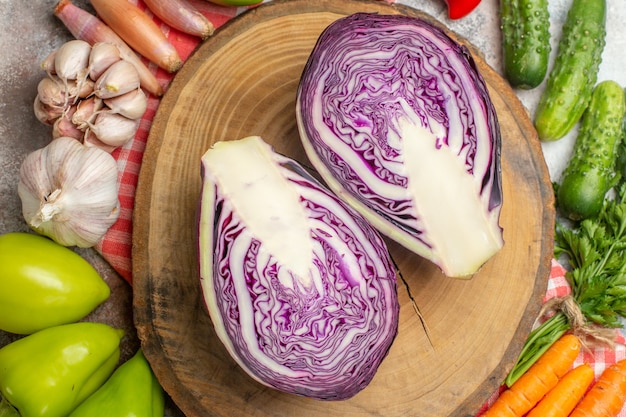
{"x": 607, "y": 396}
{"x": 562, "y": 399}
{"x": 540, "y": 378}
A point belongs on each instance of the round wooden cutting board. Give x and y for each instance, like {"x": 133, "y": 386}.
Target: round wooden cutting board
{"x": 446, "y": 360}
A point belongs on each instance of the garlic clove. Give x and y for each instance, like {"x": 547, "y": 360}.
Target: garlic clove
{"x": 80, "y": 89}
{"x": 114, "y": 129}
{"x": 72, "y": 59}
{"x": 132, "y": 105}
{"x": 102, "y": 56}
{"x": 64, "y": 126}
{"x": 48, "y": 63}
{"x": 86, "y": 112}
{"x": 44, "y": 113}
{"x": 91, "y": 140}
{"x": 118, "y": 79}
{"x": 69, "y": 192}
{"x": 51, "y": 93}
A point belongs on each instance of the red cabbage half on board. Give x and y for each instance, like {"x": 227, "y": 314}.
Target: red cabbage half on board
{"x": 396, "y": 118}
{"x": 300, "y": 288}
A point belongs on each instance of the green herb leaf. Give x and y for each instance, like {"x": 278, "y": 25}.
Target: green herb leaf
{"x": 595, "y": 250}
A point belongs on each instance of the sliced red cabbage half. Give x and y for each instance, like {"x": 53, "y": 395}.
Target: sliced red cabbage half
{"x": 300, "y": 288}
{"x": 394, "y": 115}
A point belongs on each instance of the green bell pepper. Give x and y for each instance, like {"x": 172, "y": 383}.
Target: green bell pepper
{"x": 132, "y": 391}
{"x": 50, "y": 372}
{"x": 7, "y": 410}
{"x": 44, "y": 284}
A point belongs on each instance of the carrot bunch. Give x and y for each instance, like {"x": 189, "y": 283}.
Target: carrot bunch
{"x": 538, "y": 381}
{"x": 594, "y": 255}
{"x": 552, "y": 388}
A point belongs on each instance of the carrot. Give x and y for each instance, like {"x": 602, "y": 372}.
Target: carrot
{"x": 540, "y": 378}
{"x": 139, "y": 31}
{"x": 607, "y": 396}
{"x": 562, "y": 399}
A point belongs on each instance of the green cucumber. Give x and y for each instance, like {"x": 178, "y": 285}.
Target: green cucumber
{"x": 575, "y": 70}
{"x": 591, "y": 171}
{"x": 525, "y": 26}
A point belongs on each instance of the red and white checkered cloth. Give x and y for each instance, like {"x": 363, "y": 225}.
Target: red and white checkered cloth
{"x": 116, "y": 246}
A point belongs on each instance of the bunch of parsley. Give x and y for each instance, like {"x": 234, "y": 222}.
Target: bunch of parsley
{"x": 595, "y": 250}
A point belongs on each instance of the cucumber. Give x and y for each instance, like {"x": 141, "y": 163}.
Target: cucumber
{"x": 591, "y": 171}
{"x": 575, "y": 70}
{"x": 525, "y": 26}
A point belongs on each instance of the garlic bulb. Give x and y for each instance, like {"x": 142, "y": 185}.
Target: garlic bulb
{"x": 69, "y": 192}
{"x": 91, "y": 93}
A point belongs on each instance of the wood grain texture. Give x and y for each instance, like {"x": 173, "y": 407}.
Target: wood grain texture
{"x": 243, "y": 82}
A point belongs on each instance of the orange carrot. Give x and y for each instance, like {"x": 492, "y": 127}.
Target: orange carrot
{"x": 607, "y": 396}
{"x": 139, "y": 31}
{"x": 562, "y": 399}
{"x": 85, "y": 26}
{"x": 540, "y": 378}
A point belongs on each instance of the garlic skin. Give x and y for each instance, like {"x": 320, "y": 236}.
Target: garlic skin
{"x": 69, "y": 192}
